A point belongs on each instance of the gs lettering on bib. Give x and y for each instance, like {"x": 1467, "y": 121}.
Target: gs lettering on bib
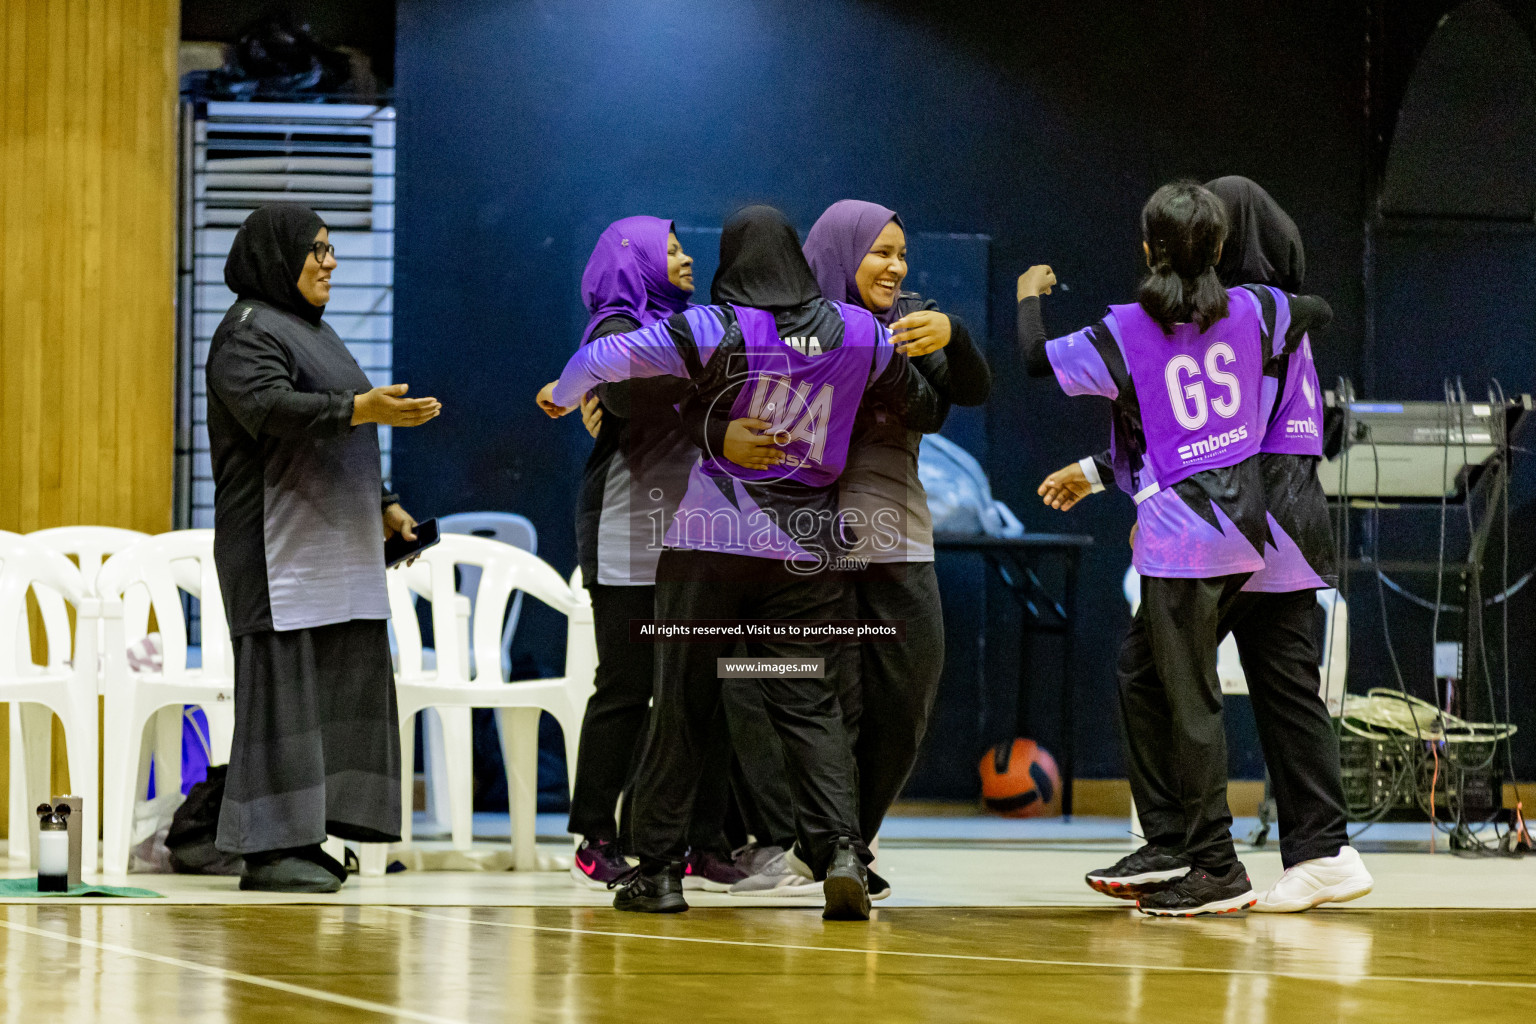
{"x": 1201, "y": 393}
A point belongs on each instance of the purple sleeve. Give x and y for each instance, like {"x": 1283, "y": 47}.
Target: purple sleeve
{"x": 706, "y": 325}
{"x": 648, "y": 352}
{"x": 1079, "y": 368}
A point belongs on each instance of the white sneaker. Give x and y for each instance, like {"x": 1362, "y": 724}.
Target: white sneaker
{"x": 777, "y": 878}
{"x": 1311, "y": 883}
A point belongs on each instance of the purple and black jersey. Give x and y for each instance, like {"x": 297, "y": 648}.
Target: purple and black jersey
{"x": 1293, "y": 401}
{"x": 1188, "y": 423}
{"x": 1300, "y": 554}
{"x": 808, "y": 386}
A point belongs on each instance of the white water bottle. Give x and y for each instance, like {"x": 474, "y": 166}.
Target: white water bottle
{"x": 53, "y": 848}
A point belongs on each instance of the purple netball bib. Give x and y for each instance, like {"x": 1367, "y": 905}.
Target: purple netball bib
{"x": 1296, "y": 427}
{"x": 1200, "y": 393}
{"x": 809, "y": 397}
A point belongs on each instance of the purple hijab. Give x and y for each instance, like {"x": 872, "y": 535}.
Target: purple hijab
{"x": 838, "y": 243}
{"x": 627, "y": 274}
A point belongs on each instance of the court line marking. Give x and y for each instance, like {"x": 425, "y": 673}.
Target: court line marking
{"x": 227, "y": 975}
{"x": 1166, "y": 968}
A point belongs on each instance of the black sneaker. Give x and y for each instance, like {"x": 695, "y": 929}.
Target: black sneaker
{"x": 879, "y": 888}
{"x": 658, "y": 893}
{"x": 1148, "y": 870}
{"x": 846, "y": 886}
{"x": 1202, "y": 893}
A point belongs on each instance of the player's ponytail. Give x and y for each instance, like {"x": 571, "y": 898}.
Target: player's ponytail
{"x": 1183, "y": 226}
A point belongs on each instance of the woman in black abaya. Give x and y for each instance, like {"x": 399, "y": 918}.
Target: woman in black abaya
{"x": 298, "y": 503}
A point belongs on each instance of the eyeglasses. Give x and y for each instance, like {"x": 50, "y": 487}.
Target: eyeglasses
{"x": 322, "y": 250}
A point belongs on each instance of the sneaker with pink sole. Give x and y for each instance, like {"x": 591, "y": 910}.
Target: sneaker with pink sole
{"x": 598, "y": 862}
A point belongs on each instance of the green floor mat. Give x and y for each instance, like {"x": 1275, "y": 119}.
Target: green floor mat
{"x": 12, "y": 888}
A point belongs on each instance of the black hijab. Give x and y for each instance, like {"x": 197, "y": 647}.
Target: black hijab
{"x": 268, "y": 256}
{"x": 1263, "y": 245}
{"x": 761, "y": 263}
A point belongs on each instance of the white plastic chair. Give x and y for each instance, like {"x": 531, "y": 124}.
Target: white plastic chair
{"x": 447, "y": 734}
{"x": 65, "y": 686}
{"x": 162, "y": 566}
{"x": 508, "y": 528}
{"x": 450, "y": 685}
{"x": 91, "y": 547}
{"x": 445, "y": 771}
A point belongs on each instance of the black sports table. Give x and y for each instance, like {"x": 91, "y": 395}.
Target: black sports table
{"x": 1016, "y": 560}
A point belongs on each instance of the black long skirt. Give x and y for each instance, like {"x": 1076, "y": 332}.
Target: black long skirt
{"x": 317, "y": 739}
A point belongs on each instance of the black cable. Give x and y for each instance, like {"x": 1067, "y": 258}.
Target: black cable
{"x": 1381, "y": 591}
{"x": 1482, "y": 634}
{"x": 1456, "y": 609}
{"x": 1386, "y": 631}
{"x": 1414, "y": 755}
{"x": 1341, "y": 536}
{"x": 1445, "y": 465}
{"x": 1445, "y": 462}
{"x": 1508, "y": 466}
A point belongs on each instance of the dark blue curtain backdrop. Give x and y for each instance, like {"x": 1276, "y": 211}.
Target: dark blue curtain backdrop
{"x": 526, "y": 125}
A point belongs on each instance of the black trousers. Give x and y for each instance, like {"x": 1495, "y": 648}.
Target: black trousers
{"x": 615, "y": 721}
{"x": 898, "y": 683}
{"x": 760, "y": 783}
{"x": 1170, "y": 706}
{"x": 887, "y": 697}
{"x": 805, "y": 712}
{"x": 1277, "y": 640}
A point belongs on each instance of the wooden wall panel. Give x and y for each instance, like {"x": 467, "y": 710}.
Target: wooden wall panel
{"x": 87, "y": 265}
{"x": 87, "y": 211}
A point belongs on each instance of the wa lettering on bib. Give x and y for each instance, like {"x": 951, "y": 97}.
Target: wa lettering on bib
{"x": 809, "y": 398}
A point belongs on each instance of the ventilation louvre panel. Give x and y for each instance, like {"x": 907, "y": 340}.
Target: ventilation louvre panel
{"x": 337, "y": 159}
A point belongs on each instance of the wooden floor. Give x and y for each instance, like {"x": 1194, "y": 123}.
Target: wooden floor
{"x": 290, "y": 964}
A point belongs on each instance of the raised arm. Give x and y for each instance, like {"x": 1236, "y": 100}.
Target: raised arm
{"x": 252, "y": 374}
{"x": 1033, "y": 283}
{"x": 678, "y": 346}
{"x": 1310, "y": 315}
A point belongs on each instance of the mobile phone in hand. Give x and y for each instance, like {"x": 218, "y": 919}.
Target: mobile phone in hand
{"x": 397, "y": 549}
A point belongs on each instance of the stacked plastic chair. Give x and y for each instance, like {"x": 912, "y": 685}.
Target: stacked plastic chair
{"x": 453, "y": 684}
{"x": 158, "y": 569}
{"x": 66, "y": 685}
{"x": 446, "y": 732}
